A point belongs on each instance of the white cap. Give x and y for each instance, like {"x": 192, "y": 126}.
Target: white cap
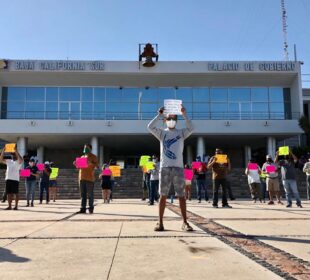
{"x": 269, "y": 156}
{"x": 46, "y": 162}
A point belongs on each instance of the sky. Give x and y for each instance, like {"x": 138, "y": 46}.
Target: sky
{"x": 186, "y": 30}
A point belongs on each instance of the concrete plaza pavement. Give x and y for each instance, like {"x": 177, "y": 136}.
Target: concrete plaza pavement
{"x": 51, "y": 241}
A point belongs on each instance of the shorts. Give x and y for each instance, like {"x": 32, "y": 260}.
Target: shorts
{"x": 169, "y": 176}
{"x": 11, "y": 186}
{"x": 273, "y": 184}
{"x": 53, "y": 184}
{"x": 188, "y": 182}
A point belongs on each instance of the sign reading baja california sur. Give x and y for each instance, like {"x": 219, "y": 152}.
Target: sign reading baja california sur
{"x": 56, "y": 65}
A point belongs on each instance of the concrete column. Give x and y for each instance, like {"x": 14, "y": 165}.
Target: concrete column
{"x": 94, "y": 142}
{"x": 247, "y": 154}
{"x": 200, "y": 147}
{"x": 101, "y": 155}
{"x": 189, "y": 154}
{"x": 271, "y": 146}
{"x": 40, "y": 154}
{"x": 22, "y": 145}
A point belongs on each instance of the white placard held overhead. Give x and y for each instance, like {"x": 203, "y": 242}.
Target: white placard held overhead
{"x": 173, "y": 106}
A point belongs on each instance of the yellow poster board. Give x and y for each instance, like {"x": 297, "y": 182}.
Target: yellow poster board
{"x": 144, "y": 160}
{"x": 284, "y": 151}
{"x": 150, "y": 165}
{"x": 10, "y": 148}
{"x": 54, "y": 173}
{"x": 116, "y": 170}
{"x": 221, "y": 159}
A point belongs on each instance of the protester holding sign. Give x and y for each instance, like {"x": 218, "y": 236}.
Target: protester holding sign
{"x": 253, "y": 171}
{"x": 289, "y": 177}
{"x": 12, "y": 177}
{"x": 171, "y": 165}
{"x": 201, "y": 186}
{"x": 188, "y": 174}
{"x": 44, "y": 181}
{"x": 154, "y": 180}
{"x": 87, "y": 179}
{"x": 219, "y": 174}
{"x": 105, "y": 177}
{"x": 272, "y": 180}
{"x": 31, "y": 181}
{"x": 52, "y": 190}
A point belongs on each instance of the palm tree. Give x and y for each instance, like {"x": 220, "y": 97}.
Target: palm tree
{"x": 304, "y": 124}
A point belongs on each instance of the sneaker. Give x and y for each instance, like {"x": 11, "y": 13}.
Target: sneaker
{"x": 232, "y": 198}
{"x": 270, "y": 202}
{"x": 227, "y": 206}
{"x": 91, "y": 210}
{"x": 15, "y": 208}
{"x": 215, "y": 206}
{"x": 279, "y": 202}
{"x": 27, "y": 205}
{"x": 289, "y": 205}
{"x": 199, "y": 201}
{"x": 299, "y": 205}
{"x": 3, "y": 200}
{"x": 8, "y": 208}
{"x": 32, "y": 204}
{"x": 186, "y": 227}
{"x": 82, "y": 211}
{"x": 159, "y": 227}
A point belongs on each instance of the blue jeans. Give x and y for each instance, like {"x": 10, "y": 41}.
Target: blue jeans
{"x": 308, "y": 187}
{"x": 263, "y": 189}
{"x": 153, "y": 190}
{"x": 87, "y": 189}
{"x": 290, "y": 187}
{"x": 201, "y": 185}
{"x": 44, "y": 187}
{"x": 30, "y": 190}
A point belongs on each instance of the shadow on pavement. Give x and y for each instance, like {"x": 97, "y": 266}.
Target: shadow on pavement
{"x": 6, "y": 255}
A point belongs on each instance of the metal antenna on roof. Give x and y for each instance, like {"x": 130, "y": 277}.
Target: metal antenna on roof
{"x": 284, "y": 29}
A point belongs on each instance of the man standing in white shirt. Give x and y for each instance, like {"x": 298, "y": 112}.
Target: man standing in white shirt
{"x": 306, "y": 169}
{"x": 12, "y": 177}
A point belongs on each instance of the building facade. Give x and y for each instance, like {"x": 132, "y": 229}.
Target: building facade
{"x": 51, "y": 108}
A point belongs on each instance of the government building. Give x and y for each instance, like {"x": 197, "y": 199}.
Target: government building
{"x": 51, "y": 108}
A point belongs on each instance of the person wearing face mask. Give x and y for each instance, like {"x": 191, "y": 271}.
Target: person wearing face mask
{"x": 154, "y": 180}
{"x": 87, "y": 180}
{"x": 219, "y": 174}
{"x": 171, "y": 170}
{"x": 289, "y": 178}
{"x": 31, "y": 181}
{"x": 272, "y": 180}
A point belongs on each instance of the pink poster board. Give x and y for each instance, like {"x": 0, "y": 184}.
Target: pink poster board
{"x": 81, "y": 163}
{"x": 188, "y": 174}
{"x": 270, "y": 169}
{"x": 252, "y": 166}
{"x": 25, "y": 173}
{"x": 40, "y": 166}
{"x": 106, "y": 172}
{"x": 196, "y": 164}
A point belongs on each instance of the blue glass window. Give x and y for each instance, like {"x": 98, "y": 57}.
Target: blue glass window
{"x": 16, "y": 94}
{"x": 166, "y": 93}
{"x": 200, "y": 94}
{"x": 51, "y": 110}
{"x": 149, "y": 95}
{"x": 69, "y": 94}
{"x": 99, "y": 110}
{"x": 87, "y": 109}
{"x": 51, "y": 94}
{"x": 130, "y": 94}
{"x": 87, "y": 94}
{"x": 75, "y": 108}
{"x": 218, "y": 94}
{"x": 114, "y": 94}
{"x": 35, "y": 94}
{"x": 218, "y": 110}
{"x": 259, "y": 94}
{"x": 184, "y": 94}
{"x": 276, "y": 95}
{"x": 239, "y": 94}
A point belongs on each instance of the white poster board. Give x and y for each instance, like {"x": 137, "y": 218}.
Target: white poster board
{"x": 172, "y": 106}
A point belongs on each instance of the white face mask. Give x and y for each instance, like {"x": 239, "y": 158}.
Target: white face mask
{"x": 171, "y": 123}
